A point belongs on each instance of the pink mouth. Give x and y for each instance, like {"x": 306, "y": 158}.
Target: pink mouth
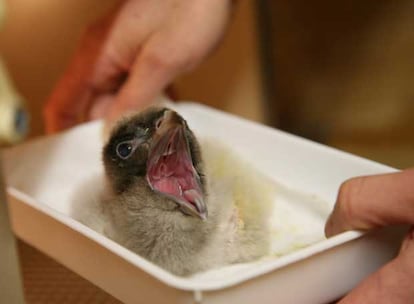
{"x": 170, "y": 171}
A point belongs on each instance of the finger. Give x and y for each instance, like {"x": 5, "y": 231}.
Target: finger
{"x": 392, "y": 283}
{"x": 173, "y": 49}
{"x": 100, "y": 106}
{"x": 148, "y": 78}
{"x": 69, "y": 102}
{"x": 116, "y": 62}
{"x": 373, "y": 201}
{"x": 60, "y": 111}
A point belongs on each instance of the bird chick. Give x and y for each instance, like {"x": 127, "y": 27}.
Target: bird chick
{"x": 162, "y": 203}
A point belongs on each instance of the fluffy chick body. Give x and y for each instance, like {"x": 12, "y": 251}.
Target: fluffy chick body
{"x": 239, "y": 200}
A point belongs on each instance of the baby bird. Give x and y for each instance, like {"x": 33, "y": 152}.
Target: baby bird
{"x": 183, "y": 206}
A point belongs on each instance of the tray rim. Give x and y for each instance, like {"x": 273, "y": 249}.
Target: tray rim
{"x": 187, "y": 283}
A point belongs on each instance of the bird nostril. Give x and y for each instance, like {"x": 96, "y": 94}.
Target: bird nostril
{"x": 158, "y": 123}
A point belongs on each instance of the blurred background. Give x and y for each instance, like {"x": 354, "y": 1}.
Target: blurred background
{"x": 338, "y": 72}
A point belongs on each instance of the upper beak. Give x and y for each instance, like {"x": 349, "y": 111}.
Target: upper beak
{"x": 170, "y": 168}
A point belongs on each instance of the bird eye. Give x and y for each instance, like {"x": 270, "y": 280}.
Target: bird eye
{"x": 124, "y": 149}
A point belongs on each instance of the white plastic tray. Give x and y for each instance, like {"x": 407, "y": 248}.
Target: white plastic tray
{"x": 45, "y": 177}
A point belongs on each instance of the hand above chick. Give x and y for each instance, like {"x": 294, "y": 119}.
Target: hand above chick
{"x": 169, "y": 206}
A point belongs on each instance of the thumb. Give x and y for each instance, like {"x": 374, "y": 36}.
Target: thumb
{"x": 373, "y": 201}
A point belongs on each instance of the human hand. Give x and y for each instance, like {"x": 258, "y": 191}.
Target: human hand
{"x": 376, "y": 201}
{"x": 126, "y": 59}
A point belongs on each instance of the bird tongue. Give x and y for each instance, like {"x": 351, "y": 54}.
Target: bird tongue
{"x": 170, "y": 171}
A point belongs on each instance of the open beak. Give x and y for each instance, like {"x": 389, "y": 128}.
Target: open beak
{"x": 170, "y": 168}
